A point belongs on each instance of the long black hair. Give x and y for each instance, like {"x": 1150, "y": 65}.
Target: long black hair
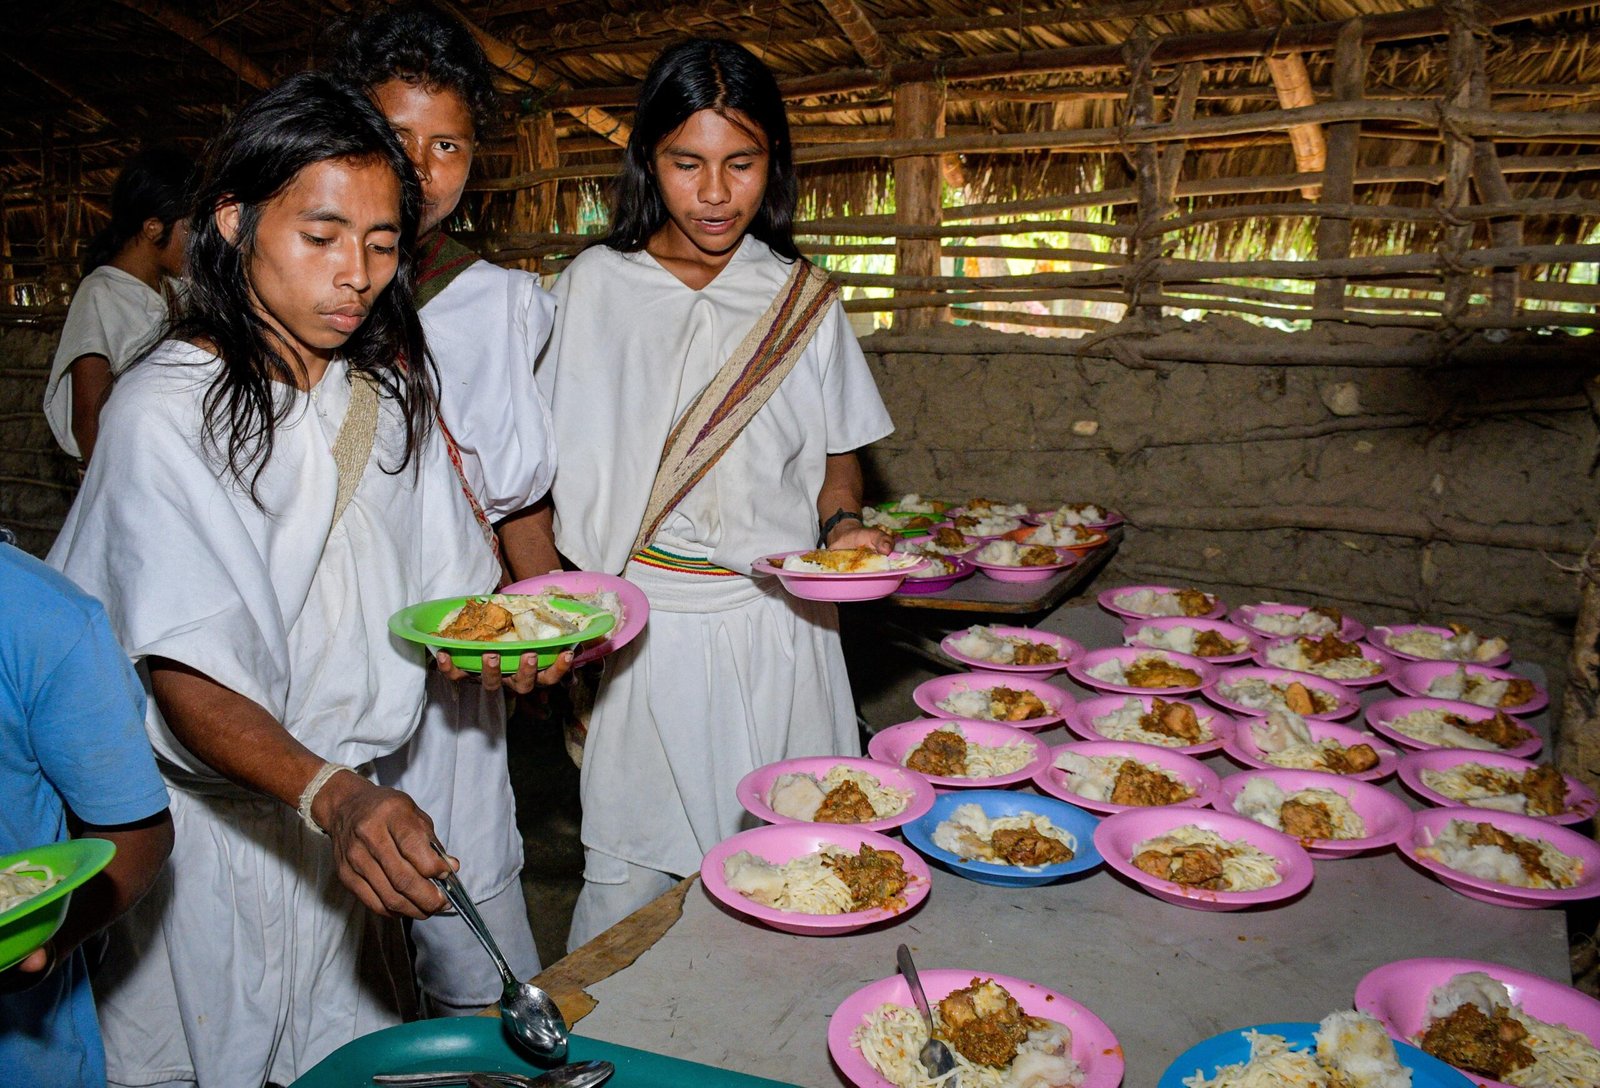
{"x": 424, "y": 48}
{"x": 690, "y": 76}
{"x": 153, "y": 184}
{"x": 308, "y": 118}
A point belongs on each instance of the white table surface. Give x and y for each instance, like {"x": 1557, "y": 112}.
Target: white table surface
{"x": 719, "y": 990}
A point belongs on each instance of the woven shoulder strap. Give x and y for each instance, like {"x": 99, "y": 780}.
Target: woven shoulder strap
{"x": 737, "y": 392}
{"x": 352, "y": 448}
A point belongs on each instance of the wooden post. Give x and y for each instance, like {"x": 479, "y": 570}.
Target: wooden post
{"x": 918, "y": 192}
{"x": 8, "y": 272}
{"x": 1183, "y": 106}
{"x": 1462, "y": 49}
{"x": 1339, "y": 176}
{"x": 533, "y": 211}
{"x": 1145, "y": 246}
{"x": 1490, "y": 182}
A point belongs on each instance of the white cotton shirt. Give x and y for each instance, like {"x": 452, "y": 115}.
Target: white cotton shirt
{"x": 484, "y": 332}
{"x": 632, "y": 347}
{"x": 114, "y": 314}
{"x": 265, "y": 600}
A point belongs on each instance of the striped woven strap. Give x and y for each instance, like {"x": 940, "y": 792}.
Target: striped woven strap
{"x": 661, "y": 559}
{"x": 738, "y": 391}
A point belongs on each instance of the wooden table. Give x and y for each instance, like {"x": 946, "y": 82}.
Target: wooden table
{"x": 711, "y": 987}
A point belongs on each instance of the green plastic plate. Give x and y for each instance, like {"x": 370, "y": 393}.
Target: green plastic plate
{"x": 29, "y": 924}
{"x": 418, "y": 622}
{"x": 478, "y": 1044}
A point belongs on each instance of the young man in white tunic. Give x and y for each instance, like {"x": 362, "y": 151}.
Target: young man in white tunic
{"x": 271, "y": 488}
{"x": 731, "y": 673}
{"x": 485, "y": 326}
{"x": 119, "y": 305}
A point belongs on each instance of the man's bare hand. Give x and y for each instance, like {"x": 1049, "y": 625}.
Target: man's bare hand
{"x": 383, "y": 844}
{"x": 852, "y": 534}
{"x": 33, "y": 967}
{"x": 527, "y": 677}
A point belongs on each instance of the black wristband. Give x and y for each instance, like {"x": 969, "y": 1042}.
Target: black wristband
{"x": 839, "y": 515}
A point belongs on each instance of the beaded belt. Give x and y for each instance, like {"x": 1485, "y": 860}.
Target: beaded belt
{"x": 661, "y": 559}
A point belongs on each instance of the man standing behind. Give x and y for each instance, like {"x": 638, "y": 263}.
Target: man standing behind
{"x": 272, "y": 488}
{"x": 71, "y": 740}
{"x": 485, "y": 326}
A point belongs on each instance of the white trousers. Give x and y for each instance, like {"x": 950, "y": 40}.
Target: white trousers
{"x": 612, "y": 890}
{"x": 455, "y": 975}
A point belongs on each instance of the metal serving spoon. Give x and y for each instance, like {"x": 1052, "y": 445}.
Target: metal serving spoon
{"x": 526, "y": 1011}
{"x": 935, "y": 1056}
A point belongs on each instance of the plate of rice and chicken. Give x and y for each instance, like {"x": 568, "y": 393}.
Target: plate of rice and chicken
{"x": 1503, "y": 858}
{"x": 1026, "y": 702}
{"x": 862, "y": 793}
{"x": 1283, "y": 739}
{"x": 1354, "y": 664}
{"x": 1012, "y": 840}
{"x": 1453, "y": 642}
{"x": 1449, "y": 777}
{"x": 1157, "y": 602}
{"x": 1134, "y": 670}
{"x": 1331, "y": 817}
{"x": 1108, "y": 777}
{"x": 1204, "y": 860}
{"x": 1498, "y": 689}
{"x": 1004, "y": 1032}
{"x": 1008, "y": 561}
{"x": 1423, "y": 724}
{"x": 840, "y": 574}
{"x": 1504, "y": 1027}
{"x": 1011, "y": 649}
{"x": 1216, "y": 641}
{"x": 1271, "y": 619}
{"x": 815, "y": 880}
{"x": 1191, "y": 727}
{"x": 1260, "y": 689}
{"x": 956, "y": 752}
{"x": 508, "y": 624}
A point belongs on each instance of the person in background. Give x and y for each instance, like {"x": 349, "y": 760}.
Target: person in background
{"x": 485, "y": 326}
{"x": 272, "y": 486}
{"x": 119, "y": 305}
{"x": 699, "y": 286}
{"x": 74, "y": 763}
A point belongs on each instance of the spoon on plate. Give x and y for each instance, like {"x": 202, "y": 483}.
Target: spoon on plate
{"x": 935, "y": 1056}
{"x": 527, "y": 1012}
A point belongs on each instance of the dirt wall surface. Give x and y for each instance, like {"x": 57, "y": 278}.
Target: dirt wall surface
{"x": 1378, "y": 472}
{"x": 37, "y": 480}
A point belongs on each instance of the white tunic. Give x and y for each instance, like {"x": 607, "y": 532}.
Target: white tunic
{"x": 242, "y": 964}
{"x": 484, "y": 331}
{"x": 731, "y": 673}
{"x": 114, "y": 314}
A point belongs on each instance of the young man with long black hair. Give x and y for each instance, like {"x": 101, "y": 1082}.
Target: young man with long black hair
{"x": 485, "y": 326}
{"x": 699, "y": 287}
{"x": 272, "y": 485}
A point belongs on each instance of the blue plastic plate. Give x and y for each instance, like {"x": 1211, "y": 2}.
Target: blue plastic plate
{"x": 1232, "y": 1046}
{"x": 1069, "y": 818}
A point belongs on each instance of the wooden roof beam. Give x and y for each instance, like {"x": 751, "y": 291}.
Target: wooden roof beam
{"x": 99, "y": 119}
{"x": 1293, "y": 83}
{"x": 858, "y": 28}
{"x": 518, "y": 65}
{"x": 197, "y": 34}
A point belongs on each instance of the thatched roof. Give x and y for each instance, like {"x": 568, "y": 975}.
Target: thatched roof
{"x": 86, "y": 80}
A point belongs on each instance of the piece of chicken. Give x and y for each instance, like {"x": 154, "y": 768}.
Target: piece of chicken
{"x": 845, "y": 804}
{"x": 479, "y": 621}
{"x": 1176, "y": 720}
{"x": 942, "y": 752}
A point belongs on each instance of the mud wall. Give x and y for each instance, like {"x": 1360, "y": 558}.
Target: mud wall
{"x": 37, "y": 480}
{"x": 1402, "y": 479}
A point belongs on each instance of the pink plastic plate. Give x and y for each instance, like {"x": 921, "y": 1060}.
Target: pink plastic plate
{"x": 892, "y": 745}
{"x": 1079, "y": 670}
{"x": 934, "y": 584}
{"x": 1082, "y": 721}
{"x": 1380, "y": 633}
{"x": 1245, "y": 615}
{"x": 1136, "y": 633}
{"x": 1107, "y": 600}
{"x": 1387, "y": 664}
{"x": 1067, "y": 649}
{"x": 1427, "y": 824}
{"x": 1414, "y": 677}
{"x": 1194, "y": 774}
{"x": 635, "y": 606}
{"x": 1397, "y": 994}
{"x": 1242, "y": 747}
{"x": 1112, "y": 519}
{"x": 1382, "y": 714}
{"x": 1002, "y": 573}
{"x": 1094, "y": 1047}
{"x": 835, "y": 587}
{"x": 1387, "y": 817}
{"x": 1348, "y": 702}
{"x": 756, "y": 787}
{"x": 928, "y": 693}
{"x": 1581, "y": 800}
{"x": 779, "y": 843}
{"x": 1118, "y": 836}
{"x": 1096, "y": 538}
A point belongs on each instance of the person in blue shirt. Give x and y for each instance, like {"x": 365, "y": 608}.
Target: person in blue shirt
{"x": 74, "y": 763}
